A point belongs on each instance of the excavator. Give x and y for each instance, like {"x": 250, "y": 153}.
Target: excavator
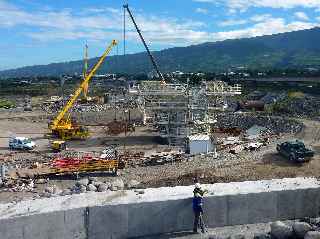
{"x": 63, "y": 126}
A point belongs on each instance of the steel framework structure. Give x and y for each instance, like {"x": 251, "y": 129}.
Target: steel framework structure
{"x": 179, "y": 110}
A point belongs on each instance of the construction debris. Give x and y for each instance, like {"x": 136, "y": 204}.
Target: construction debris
{"x": 245, "y": 121}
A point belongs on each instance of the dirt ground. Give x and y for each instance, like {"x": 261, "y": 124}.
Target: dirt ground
{"x": 263, "y": 164}
{"x": 268, "y": 166}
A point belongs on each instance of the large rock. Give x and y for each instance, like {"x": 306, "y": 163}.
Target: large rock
{"x": 52, "y": 189}
{"x": 279, "y": 230}
{"x": 237, "y": 236}
{"x": 262, "y": 236}
{"x": 103, "y": 187}
{"x": 42, "y": 181}
{"x": 91, "y": 188}
{"x": 66, "y": 192}
{"x": 47, "y": 194}
{"x": 92, "y": 179}
{"x": 82, "y": 189}
{"x": 83, "y": 182}
{"x": 301, "y": 228}
{"x": 49, "y": 189}
{"x": 215, "y": 237}
{"x": 312, "y": 235}
{"x": 96, "y": 183}
{"x": 117, "y": 184}
{"x": 133, "y": 184}
{"x": 56, "y": 190}
{"x": 139, "y": 191}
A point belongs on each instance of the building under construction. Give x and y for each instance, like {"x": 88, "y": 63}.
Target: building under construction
{"x": 179, "y": 111}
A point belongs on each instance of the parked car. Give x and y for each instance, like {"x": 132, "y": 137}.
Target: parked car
{"x": 295, "y": 151}
{"x": 21, "y": 143}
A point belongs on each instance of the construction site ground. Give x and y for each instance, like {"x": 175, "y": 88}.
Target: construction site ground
{"x": 262, "y": 164}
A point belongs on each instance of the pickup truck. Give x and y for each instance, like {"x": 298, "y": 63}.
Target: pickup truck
{"x": 21, "y": 143}
{"x": 295, "y": 151}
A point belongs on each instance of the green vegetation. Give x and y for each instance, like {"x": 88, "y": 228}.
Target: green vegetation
{"x": 295, "y": 94}
{"x": 7, "y": 104}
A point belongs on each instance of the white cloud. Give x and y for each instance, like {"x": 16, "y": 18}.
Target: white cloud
{"x": 243, "y": 5}
{"x": 260, "y": 18}
{"x": 202, "y": 10}
{"x": 301, "y": 16}
{"x": 210, "y": 1}
{"x": 232, "y": 22}
{"x": 232, "y": 11}
{"x": 268, "y": 27}
{"x": 96, "y": 25}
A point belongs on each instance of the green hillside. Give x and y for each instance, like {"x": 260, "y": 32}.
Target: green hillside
{"x": 298, "y": 49}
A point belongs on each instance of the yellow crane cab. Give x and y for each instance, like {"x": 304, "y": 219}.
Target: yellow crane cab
{"x": 58, "y": 145}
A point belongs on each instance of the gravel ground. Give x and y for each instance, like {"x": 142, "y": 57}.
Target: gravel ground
{"x": 224, "y": 232}
{"x": 262, "y": 164}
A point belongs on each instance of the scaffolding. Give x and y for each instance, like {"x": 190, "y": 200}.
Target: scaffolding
{"x": 179, "y": 110}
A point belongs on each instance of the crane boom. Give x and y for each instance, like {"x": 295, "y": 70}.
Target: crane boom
{"x": 76, "y": 94}
{"x": 85, "y": 70}
{"x": 126, "y": 6}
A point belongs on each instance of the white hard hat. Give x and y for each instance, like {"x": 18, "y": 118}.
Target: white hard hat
{"x": 197, "y": 185}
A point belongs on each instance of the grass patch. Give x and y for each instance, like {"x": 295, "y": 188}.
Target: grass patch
{"x": 6, "y": 104}
{"x": 295, "y": 94}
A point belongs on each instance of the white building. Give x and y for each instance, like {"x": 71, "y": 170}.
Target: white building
{"x": 199, "y": 144}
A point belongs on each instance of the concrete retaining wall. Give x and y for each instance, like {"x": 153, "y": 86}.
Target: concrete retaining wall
{"x": 138, "y": 217}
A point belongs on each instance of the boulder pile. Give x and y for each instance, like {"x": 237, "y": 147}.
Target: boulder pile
{"x": 293, "y": 230}
{"x": 301, "y": 107}
{"x": 275, "y": 125}
{"x": 91, "y": 185}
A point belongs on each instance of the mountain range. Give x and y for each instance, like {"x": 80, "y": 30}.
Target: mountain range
{"x": 298, "y": 49}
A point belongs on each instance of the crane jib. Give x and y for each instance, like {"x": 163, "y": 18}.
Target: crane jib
{"x": 153, "y": 61}
{"x": 72, "y": 100}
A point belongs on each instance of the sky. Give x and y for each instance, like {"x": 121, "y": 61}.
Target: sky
{"x": 45, "y": 31}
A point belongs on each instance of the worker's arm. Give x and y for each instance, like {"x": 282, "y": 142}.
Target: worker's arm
{"x": 204, "y": 191}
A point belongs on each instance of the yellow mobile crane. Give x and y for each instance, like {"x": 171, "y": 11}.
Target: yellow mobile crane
{"x": 62, "y": 126}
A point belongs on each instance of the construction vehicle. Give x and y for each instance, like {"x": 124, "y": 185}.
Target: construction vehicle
{"x": 22, "y": 143}
{"x": 154, "y": 63}
{"x": 63, "y": 126}
{"x": 295, "y": 151}
{"x": 58, "y": 145}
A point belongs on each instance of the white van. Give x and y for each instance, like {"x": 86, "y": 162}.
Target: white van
{"x": 21, "y": 143}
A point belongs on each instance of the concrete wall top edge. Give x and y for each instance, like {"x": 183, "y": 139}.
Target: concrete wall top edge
{"x": 39, "y": 206}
